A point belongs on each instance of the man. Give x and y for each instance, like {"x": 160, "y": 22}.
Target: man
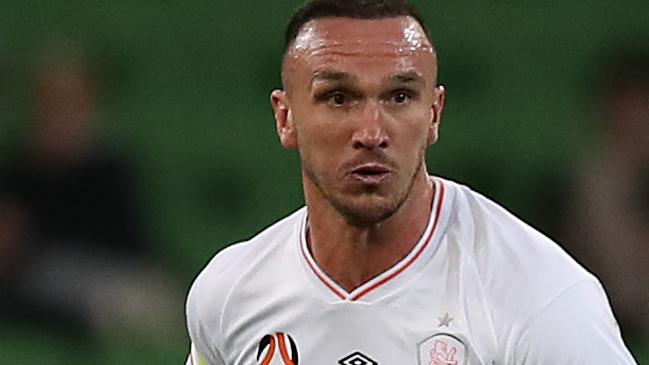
{"x": 73, "y": 253}
{"x": 386, "y": 264}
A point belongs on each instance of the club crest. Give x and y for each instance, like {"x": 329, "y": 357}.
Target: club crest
{"x": 442, "y": 349}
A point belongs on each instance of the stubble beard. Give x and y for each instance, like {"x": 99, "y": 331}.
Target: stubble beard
{"x": 359, "y": 214}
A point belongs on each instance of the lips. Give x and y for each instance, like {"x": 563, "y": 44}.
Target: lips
{"x": 371, "y": 173}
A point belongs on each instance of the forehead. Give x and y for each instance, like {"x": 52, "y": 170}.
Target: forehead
{"x": 399, "y": 33}
{"x": 341, "y": 42}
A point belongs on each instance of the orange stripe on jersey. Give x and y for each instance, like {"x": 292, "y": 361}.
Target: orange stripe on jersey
{"x": 271, "y": 351}
{"x": 438, "y": 211}
{"x": 282, "y": 349}
{"x": 315, "y": 271}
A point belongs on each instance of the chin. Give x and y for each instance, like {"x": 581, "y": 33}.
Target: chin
{"x": 367, "y": 212}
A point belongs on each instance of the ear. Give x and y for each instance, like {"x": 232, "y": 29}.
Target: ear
{"x": 436, "y": 109}
{"x": 283, "y": 119}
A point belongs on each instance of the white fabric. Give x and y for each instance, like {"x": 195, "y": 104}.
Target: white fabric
{"x": 481, "y": 287}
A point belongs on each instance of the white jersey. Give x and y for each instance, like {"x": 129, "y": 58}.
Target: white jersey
{"x": 480, "y": 287}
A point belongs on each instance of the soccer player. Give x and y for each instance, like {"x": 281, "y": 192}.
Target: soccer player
{"x": 387, "y": 264}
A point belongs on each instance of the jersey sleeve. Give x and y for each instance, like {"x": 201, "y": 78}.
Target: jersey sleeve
{"x": 195, "y": 358}
{"x": 203, "y": 326}
{"x": 206, "y": 302}
{"x": 577, "y": 327}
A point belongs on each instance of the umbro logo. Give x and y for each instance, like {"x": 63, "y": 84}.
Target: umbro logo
{"x": 357, "y": 358}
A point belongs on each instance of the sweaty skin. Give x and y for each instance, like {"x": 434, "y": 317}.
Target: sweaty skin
{"x": 361, "y": 106}
{"x": 310, "y": 40}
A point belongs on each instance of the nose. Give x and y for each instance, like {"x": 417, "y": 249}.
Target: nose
{"x": 370, "y": 133}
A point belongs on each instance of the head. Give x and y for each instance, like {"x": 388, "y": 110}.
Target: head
{"x": 360, "y": 103}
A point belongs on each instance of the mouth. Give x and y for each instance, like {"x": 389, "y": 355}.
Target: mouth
{"x": 371, "y": 173}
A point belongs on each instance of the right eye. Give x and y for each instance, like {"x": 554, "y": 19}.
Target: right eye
{"x": 337, "y": 99}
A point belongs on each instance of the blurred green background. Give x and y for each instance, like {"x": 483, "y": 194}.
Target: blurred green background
{"x": 185, "y": 92}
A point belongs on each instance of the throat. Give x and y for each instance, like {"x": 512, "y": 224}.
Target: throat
{"x": 353, "y": 265}
{"x": 359, "y": 255}
{"x": 352, "y": 256}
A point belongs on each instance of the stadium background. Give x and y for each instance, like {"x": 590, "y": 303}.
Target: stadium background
{"x": 185, "y": 93}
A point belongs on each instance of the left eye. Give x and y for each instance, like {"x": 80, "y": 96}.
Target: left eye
{"x": 401, "y": 97}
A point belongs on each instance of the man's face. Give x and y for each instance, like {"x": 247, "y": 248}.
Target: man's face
{"x": 361, "y": 105}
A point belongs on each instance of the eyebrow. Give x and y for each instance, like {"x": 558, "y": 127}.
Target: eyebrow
{"x": 407, "y": 77}
{"x": 331, "y": 75}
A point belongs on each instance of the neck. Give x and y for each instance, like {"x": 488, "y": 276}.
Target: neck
{"x": 352, "y": 255}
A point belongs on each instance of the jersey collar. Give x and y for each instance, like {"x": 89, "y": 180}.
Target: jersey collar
{"x": 402, "y": 270}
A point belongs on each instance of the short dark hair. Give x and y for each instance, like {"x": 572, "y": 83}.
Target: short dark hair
{"x": 355, "y": 9}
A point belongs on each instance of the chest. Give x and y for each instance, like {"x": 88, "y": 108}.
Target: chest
{"x": 414, "y": 328}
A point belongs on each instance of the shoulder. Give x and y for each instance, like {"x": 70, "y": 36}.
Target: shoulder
{"x": 214, "y": 284}
{"x": 228, "y": 265}
{"x": 543, "y": 304}
{"x": 577, "y": 327}
{"x": 520, "y": 269}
